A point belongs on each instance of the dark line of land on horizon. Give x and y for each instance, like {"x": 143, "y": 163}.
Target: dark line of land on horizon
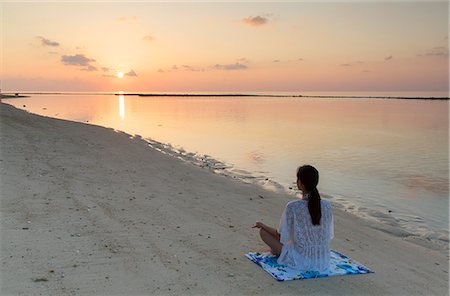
{"x": 203, "y": 95}
{"x": 376, "y": 97}
{"x": 285, "y": 96}
{"x": 9, "y": 95}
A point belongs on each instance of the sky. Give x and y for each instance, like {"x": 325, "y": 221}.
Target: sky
{"x": 217, "y": 47}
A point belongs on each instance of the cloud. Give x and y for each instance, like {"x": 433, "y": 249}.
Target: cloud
{"x": 366, "y": 71}
{"x": 182, "y": 68}
{"x": 352, "y": 64}
{"x": 131, "y": 73}
{"x": 440, "y": 51}
{"x": 148, "y": 38}
{"x": 191, "y": 68}
{"x": 125, "y": 19}
{"x": 226, "y": 67}
{"x": 276, "y": 61}
{"x": 388, "y": 58}
{"x": 90, "y": 68}
{"x": 242, "y": 60}
{"x": 106, "y": 69}
{"x": 47, "y": 42}
{"x": 52, "y": 52}
{"x": 108, "y": 75}
{"x": 255, "y": 21}
{"x": 76, "y": 60}
{"x": 236, "y": 66}
{"x": 300, "y": 59}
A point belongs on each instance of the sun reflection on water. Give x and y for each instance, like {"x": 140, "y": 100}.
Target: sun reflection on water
{"x": 122, "y": 107}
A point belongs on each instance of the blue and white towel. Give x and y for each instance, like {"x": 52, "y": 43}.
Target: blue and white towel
{"x": 339, "y": 265}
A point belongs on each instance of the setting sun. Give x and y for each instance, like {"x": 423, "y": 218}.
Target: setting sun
{"x": 120, "y": 74}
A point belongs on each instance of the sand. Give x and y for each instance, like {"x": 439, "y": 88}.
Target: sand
{"x": 86, "y": 210}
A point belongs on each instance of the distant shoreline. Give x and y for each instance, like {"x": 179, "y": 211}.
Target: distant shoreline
{"x": 10, "y": 95}
{"x": 377, "y": 97}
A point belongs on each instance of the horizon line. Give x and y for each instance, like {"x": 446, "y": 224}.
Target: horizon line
{"x": 8, "y": 94}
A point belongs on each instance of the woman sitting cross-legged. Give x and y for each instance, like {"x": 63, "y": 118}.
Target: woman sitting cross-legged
{"x": 302, "y": 240}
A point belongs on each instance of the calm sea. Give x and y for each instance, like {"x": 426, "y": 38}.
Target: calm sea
{"x": 384, "y": 159}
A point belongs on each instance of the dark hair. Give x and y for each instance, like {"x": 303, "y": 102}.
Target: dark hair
{"x": 309, "y": 177}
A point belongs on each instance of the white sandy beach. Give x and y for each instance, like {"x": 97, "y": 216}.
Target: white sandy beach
{"x": 86, "y": 210}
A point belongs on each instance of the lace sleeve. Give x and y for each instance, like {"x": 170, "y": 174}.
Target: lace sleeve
{"x": 285, "y": 228}
{"x": 331, "y": 226}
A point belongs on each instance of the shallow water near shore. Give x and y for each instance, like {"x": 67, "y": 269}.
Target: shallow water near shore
{"x": 382, "y": 159}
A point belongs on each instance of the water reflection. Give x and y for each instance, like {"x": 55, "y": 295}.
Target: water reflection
{"x": 122, "y": 107}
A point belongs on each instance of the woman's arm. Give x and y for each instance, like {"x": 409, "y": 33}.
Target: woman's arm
{"x": 267, "y": 228}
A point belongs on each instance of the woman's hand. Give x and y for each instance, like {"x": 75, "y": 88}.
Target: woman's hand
{"x": 258, "y": 224}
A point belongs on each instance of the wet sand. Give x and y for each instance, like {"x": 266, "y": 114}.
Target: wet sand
{"x": 86, "y": 210}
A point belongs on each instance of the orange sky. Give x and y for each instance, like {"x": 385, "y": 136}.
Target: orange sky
{"x": 225, "y": 46}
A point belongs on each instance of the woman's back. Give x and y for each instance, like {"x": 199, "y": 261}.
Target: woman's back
{"x": 306, "y": 247}
{"x": 306, "y": 227}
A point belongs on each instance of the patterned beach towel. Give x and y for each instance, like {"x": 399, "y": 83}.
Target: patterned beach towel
{"x": 340, "y": 265}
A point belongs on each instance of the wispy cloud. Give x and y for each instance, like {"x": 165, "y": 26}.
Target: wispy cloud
{"x": 226, "y": 67}
{"x": 47, "y": 42}
{"x": 127, "y": 19}
{"x": 255, "y": 21}
{"x": 131, "y": 73}
{"x": 242, "y": 60}
{"x": 276, "y": 61}
{"x": 439, "y": 51}
{"x": 388, "y": 58}
{"x": 192, "y": 68}
{"x": 182, "y": 68}
{"x": 300, "y": 59}
{"x": 352, "y": 64}
{"x": 90, "y": 68}
{"x": 236, "y": 66}
{"x": 106, "y": 69}
{"x": 76, "y": 60}
{"x": 149, "y": 38}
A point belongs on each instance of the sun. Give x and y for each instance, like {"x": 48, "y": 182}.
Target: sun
{"x": 120, "y": 74}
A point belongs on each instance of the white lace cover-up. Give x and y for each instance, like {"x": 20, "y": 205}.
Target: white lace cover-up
{"x": 306, "y": 247}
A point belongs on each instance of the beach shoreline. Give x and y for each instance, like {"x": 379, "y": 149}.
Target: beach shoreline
{"x": 87, "y": 210}
{"x": 432, "y": 238}
{"x": 416, "y": 207}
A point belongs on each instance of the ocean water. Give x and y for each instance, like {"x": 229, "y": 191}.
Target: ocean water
{"x": 383, "y": 159}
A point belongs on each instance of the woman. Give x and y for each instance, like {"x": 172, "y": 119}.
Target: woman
{"x": 302, "y": 240}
